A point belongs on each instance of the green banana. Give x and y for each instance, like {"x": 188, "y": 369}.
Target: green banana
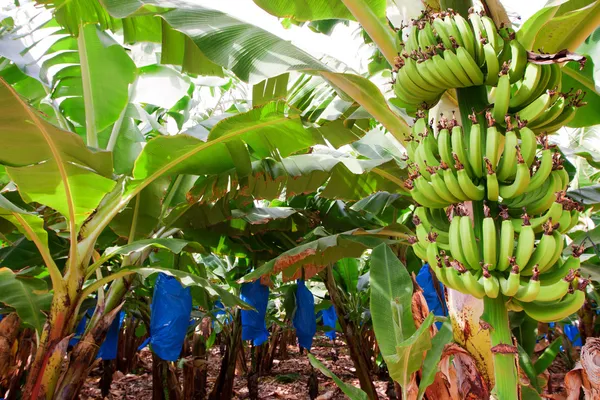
{"x": 554, "y": 213}
{"x": 543, "y": 171}
{"x": 507, "y": 168}
{"x": 529, "y": 290}
{"x": 470, "y": 248}
{"x": 510, "y": 286}
{"x": 445, "y": 147}
{"x": 559, "y": 272}
{"x": 555, "y": 311}
{"x": 528, "y": 86}
{"x": 491, "y": 285}
{"x": 476, "y": 150}
{"x": 454, "y": 64}
{"x": 518, "y": 61}
{"x": 502, "y": 97}
{"x": 521, "y": 182}
{"x": 492, "y": 65}
{"x": 507, "y": 241}
{"x": 437, "y": 182}
{"x": 525, "y": 243}
{"x": 557, "y": 290}
{"x": 528, "y": 145}
{"x": 543, "y": 252}
{"x": 469, "y": 66}
{"x": 490, "y": 257}
{"x": 479, "y": 35}
{"x": 494, "y": 142}
{"x": 492, "y": 33}
{"x": 458, "y": 147}
{"x": 456, "y": 248}
{"x": 537, "y": 107}
{"x": 466, "y": 33}
{"x": 454, "y": 186}
{"x": 472, "y": 285}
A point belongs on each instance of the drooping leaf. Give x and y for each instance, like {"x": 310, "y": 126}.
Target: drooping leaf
{"x": 583, "y": 80}
{"x": 432, "y": 359}
{"x": 270, "y": 130}
{"x": 589, "y": 195}
{"x": 29, "y": 224}
{"x": 311, "y": 10}
{"x": 49, "y": 165}
{"x": 28, "y": 296}
{"x": 571, "y": 23}
{"x": 171, "y": 244}
{"x": 342, "y": 178}
{"x": 315, "y": 255}
{"x": 352, "y": 392}
{"x": 401, "y": 344}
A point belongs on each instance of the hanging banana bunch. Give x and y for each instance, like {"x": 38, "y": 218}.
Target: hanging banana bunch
{"x": 504, "y": 159}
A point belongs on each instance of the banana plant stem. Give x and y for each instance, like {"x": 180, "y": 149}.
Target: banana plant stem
{"x": 503, "y": 349}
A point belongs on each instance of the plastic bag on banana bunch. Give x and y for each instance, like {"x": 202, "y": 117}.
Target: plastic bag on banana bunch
{"x": 304, "y": 316}
{"x": 253, "y": 322}
{"x": 170, "y": 313}
{"x": 435, "y": 302}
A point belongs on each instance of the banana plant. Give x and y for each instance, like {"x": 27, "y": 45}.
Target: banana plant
{"x": 231, "y": 145}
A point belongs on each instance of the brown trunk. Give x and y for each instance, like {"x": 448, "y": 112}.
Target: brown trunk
{"x": 223, "y": 388}
{"x": 165, "y": 385}
{"x": 127, "y": 356}
{"x": 9, "y": 330}
{"x": 586, "y": 321}
{"x": 194, "y": 379}
{"x": 21, "y": 364}
{"x": 82, "y": 358}
{"x": 106, "y": 378}
{"x": 352, "y": 335}
{"x": 55, "y": 330}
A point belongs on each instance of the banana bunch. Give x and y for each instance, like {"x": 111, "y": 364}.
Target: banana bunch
{"x": 525, "y": 267}
{"x": 445, "y": 51}
{"x": 487, "y": 162}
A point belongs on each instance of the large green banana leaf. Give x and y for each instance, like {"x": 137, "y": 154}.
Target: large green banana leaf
{"x": 51, "y": 166}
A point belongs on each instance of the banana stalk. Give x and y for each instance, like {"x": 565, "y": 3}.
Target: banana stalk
{"x": 503, "y": 350}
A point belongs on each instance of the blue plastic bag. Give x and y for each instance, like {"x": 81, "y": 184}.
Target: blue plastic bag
{"x": 435, "y": 302}
{"x": 169, "y": 317}
{"x": 330, "y": 320}
{"x": 108, "y": 350}
{"x": 304, "y": 317}
{"x": 572, "y": 333}
{"x": 254, "y": 326}
{"x": 80, "y": 329}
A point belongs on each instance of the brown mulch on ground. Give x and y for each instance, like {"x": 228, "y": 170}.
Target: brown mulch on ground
{"x": 287, "y": 380}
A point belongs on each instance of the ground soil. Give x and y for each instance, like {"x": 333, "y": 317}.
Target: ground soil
{"x": 287, "y": 380}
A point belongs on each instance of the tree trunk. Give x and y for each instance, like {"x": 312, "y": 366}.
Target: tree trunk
{"x": 223, "y": 388}
{"x": 9, "y": 330}
{"x": 194, "y": 379}
{"x": 165, "y": 385}
{"x": 106, "y": 378}
{"x": 21, "y": 363}
{"x": 82, "y": 358}
{"x": 352, "y": 334}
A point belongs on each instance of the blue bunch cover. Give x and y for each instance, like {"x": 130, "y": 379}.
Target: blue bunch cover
{"x": 572, "y": 333}
{"x": 170, "y": 317}
{"x": 330, "y": 320}
{"x": 108, "y": 350}
{"x": 254, "y": 326}
{"x": 80, "y": 329}
{"x": 435, "y": 304}
{"x": 304, "y": 320}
